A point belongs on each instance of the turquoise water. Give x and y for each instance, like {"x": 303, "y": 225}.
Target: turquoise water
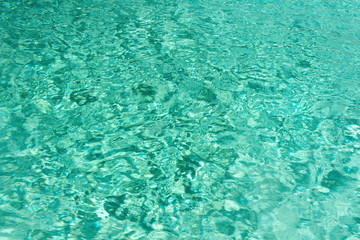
{"x": 179, "y": 119}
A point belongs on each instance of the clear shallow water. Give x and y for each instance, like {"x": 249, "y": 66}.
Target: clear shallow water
{"x": 179, "y": 120}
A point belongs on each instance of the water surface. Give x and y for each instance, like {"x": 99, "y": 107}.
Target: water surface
{"x": 179, "y": 119}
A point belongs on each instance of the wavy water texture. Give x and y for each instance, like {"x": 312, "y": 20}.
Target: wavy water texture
{"x": 183, "y": 119}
